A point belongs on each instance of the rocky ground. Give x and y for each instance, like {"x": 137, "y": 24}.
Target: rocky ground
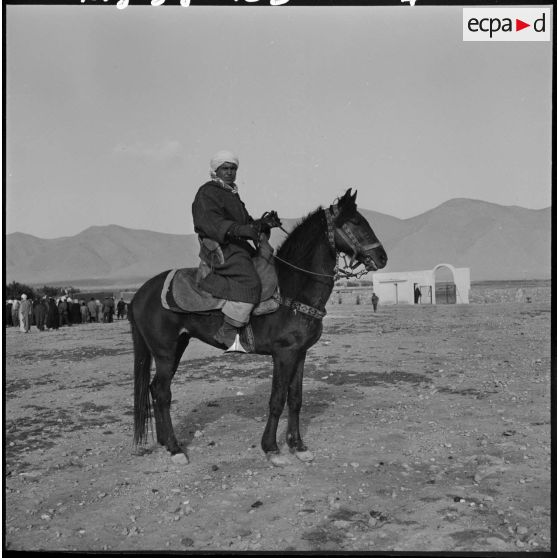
{"x": 430, "y": 427}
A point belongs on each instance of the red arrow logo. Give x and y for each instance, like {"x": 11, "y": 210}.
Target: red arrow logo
{"x": 519, "y": 25}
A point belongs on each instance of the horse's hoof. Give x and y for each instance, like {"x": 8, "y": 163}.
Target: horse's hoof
{"x": 278, "y": 460}
{"x": 305, "y": 456}
{"x": 180, "y": 459}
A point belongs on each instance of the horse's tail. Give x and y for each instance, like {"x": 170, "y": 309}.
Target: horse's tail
{"x": 142, "y": 375}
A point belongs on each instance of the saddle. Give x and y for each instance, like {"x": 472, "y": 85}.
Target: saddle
{"x": 182, "y": 292}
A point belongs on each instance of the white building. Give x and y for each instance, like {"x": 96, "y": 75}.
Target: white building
{"x": 399, "y": 287}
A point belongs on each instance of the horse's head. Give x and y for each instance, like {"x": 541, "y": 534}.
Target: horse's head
{"x": 351, "y": 233}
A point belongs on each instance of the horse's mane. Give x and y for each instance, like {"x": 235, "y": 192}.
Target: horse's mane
{"x": 302, "y": 239}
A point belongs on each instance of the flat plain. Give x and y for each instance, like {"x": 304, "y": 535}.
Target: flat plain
{"x": 430, "y": 427}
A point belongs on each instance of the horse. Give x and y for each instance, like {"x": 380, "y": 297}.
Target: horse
{"x": 306, "y": 266}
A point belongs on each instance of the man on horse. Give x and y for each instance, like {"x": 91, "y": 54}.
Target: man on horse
{"x": 224, "y": 227}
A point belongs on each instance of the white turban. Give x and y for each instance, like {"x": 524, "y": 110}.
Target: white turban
{"x": 222, "y": 157}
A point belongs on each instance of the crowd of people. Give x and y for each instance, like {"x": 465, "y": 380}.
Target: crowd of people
{"x": 52, "y": 313}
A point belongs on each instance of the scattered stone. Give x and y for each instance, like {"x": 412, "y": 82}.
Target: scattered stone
{"x": 488, "y": 471}
{"x": 521, "y": 530}
{"x": 379, "y": 516}
{"x": 30, "y": 474}
{"x": 333, "y": 502}
{"x": 257, "y": 504}
{"x": 174, "y": 507}
{"x": 497, "y": 542}
{"x": 187, "y": 510}
{"x": 186, "y": 541}
{"x": 197, "y": 434}
{"x": 306, "y": 510}
{"x": 539, "y": 509}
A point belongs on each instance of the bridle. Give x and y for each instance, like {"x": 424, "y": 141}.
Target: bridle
{"x": 347, "y": 234}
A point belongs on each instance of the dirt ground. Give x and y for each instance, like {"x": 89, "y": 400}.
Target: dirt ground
{"x": 430, "y": 427}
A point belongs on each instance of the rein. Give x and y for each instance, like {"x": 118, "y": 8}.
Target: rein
{"x": 304, "y": 270}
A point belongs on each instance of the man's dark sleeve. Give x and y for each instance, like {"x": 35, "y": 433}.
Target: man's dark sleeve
{"x": 209, "y": 217}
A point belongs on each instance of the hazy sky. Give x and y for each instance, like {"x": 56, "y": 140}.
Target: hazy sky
{"x": 113, "y": 115}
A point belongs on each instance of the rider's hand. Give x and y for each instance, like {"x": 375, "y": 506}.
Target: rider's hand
{"x": 261, "y": 226}
{"x": 271, "y": 219}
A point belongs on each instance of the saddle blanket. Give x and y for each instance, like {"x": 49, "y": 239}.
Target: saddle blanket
{"x": 181, "y": 293}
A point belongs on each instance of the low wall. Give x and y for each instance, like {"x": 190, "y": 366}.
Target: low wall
{"x": 493, "y": 294}
{"x": 481, "y": 293}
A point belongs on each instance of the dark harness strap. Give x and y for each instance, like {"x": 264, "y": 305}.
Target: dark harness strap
{"x": 296, "y": 306}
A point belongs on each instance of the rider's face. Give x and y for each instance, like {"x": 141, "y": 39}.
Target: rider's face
{"x": 227, "y": 172}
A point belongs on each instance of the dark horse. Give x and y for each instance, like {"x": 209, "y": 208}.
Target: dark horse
{"x": 306, "y": 264}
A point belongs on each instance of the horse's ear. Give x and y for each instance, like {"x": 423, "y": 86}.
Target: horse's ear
{"x": 347, "y": 205}
{"x": 347, "y": 196}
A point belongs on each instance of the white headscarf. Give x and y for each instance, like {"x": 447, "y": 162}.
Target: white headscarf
{"x": 220, "y": 158}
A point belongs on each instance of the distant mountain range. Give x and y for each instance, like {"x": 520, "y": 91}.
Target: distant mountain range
{"x": 496, "y": 242}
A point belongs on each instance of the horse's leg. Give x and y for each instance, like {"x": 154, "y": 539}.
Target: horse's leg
{"x": 165, "y": 368}
{"x": 285, "y": 363}
{"x": 294, "y": 401}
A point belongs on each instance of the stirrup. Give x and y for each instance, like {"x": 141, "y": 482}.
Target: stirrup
{"x": 236, "y": 347}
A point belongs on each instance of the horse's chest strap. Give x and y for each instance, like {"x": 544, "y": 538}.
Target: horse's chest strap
{"x": 296, "y": 306}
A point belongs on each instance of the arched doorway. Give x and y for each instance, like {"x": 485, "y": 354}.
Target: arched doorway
{"x": 444, "y": 281}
